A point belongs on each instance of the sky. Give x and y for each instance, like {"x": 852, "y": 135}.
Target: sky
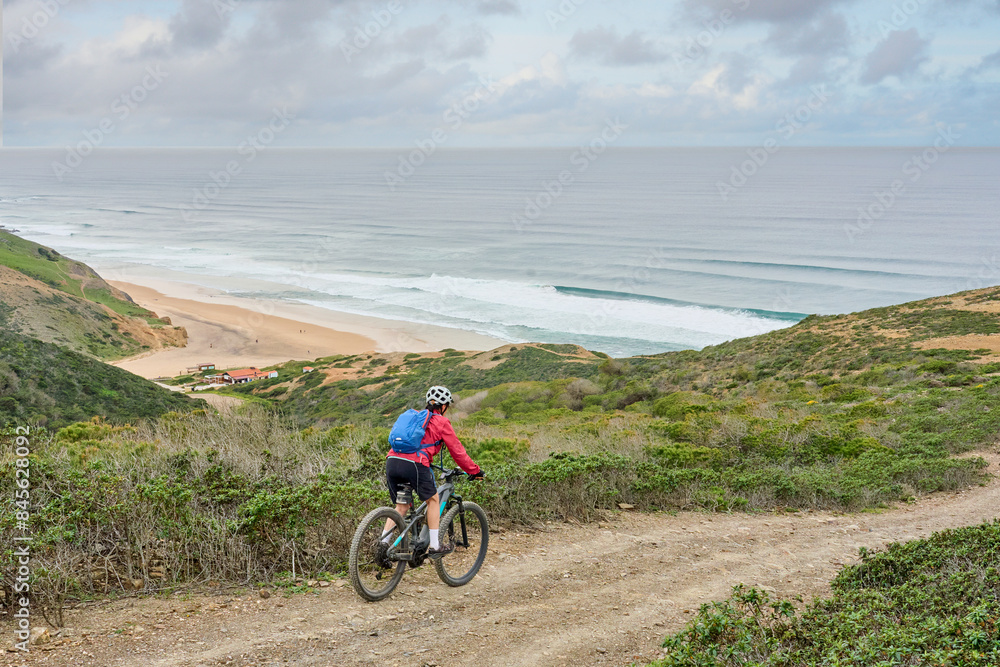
{"x": 500, "y": 73}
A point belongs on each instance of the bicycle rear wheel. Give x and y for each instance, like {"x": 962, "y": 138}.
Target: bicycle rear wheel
{"x": 460, "y": 566}
{"x": 373, "y": 574}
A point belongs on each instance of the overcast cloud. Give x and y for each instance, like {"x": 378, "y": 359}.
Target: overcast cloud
{"x": 606, "y": 46}
{"x": 899, "y": 55}
{"x": 381, "y": 73}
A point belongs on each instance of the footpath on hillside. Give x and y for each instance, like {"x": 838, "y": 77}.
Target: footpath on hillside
{"x": 600, "y": 594}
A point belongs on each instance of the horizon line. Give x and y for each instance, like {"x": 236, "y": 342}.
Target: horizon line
{"x": 5, "y": 147}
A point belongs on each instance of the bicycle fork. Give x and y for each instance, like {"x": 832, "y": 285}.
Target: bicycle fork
{"x": 461, "y": 520}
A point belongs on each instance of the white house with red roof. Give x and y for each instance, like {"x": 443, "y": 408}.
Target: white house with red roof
{"x": 245, "y": 375}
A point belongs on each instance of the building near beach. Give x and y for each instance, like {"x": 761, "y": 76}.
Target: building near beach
{"x": 201, "y": 368}
{"x": 244, "y": 375}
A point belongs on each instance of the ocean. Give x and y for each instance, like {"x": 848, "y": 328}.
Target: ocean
{"x": 629, "y": 251}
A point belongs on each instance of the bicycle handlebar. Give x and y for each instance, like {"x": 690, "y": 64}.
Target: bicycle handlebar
{"x": 450, "y": 474}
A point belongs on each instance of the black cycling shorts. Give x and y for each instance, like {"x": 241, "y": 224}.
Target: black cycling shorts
{"x": 402, "y": 471}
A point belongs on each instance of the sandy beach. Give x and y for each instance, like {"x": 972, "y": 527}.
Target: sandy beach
{"x": 237, "y": 332}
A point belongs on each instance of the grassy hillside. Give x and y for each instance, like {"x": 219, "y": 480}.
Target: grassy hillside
{"x": 838, "y": 412}
{"x": 42, "y": 383}
{"x": 927, "y": 602}
{"x": 367, "y": 387}
{"x": 948, "y": 341}
{"x": 58, "y": 300}
{"x": 843, "y": 413}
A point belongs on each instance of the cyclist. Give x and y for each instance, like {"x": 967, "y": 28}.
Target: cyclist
{"x": 414, "y": 469}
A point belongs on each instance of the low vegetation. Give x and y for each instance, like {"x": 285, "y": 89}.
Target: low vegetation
{"x": 927, "y": 602}
{"x": 44, "y": 384}
{"x": 837, "y": 413}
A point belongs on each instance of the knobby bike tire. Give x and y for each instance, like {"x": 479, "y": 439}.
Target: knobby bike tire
{"x": 371, "y": 579}
{"x": 459, "y": 567}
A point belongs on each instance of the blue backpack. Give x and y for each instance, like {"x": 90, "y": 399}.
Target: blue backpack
{"x": 408, "y": 431}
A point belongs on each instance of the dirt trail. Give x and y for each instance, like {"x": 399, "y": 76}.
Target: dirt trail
{"x": 568, "y": 595}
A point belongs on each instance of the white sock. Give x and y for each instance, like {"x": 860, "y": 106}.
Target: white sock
{"x": 434, "y": 538}
{"x": 385, "y": 536}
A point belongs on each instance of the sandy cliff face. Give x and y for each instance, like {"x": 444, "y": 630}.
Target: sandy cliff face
{"x": 37, "y": 309}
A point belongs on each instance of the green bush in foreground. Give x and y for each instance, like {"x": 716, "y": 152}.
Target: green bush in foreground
{"x": 934, "y": 601}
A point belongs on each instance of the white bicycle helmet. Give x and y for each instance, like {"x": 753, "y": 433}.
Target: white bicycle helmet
{"x": 438, "y": 395}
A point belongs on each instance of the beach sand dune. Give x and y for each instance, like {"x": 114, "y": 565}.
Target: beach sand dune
{"x": 265, "y": 333}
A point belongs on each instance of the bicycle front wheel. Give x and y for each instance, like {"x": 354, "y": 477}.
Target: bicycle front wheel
{"x": 460, "y": 566}
{"x": 373, "y": 573}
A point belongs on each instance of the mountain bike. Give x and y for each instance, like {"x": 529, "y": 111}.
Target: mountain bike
{"x": 376, "y": 567}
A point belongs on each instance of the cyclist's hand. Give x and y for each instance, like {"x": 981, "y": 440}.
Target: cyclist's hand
{"x": 479, "y": 475}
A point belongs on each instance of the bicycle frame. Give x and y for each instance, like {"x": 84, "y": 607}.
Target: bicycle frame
{"x": 446, "y": 493}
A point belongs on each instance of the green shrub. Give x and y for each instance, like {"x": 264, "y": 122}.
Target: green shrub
{"x": 926, "y": 602}
{"x": 677, "y": 405}
{"x": 938, "y": 366}
{"x": 679, "y": 431}
{"x": 495, "y": 451}
{"x": 684, "y": 455}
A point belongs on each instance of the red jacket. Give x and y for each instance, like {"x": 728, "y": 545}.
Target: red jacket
{"x": 439, "y": 430}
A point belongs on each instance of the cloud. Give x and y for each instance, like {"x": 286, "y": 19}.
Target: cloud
{"x": 27, "y": 55}
{"x": 730, "y": 86}
{"x": 769, "y": 11}
{"x": 989, "y": 62}
{"x": 606, "y": 46}
{"x": 291, "y": 20}
{"x": 227, "y": 73}
{"x": 901, "y": 53}
{"x": 988, "y": 7}
{"x": 489, "y": 7}
{"x": 26, "y": 42}
{"x": 198, "y": 25}
{"x": 826, "y": 35}
{"x": 740, "y": 74}
{"x": 474, "y": 45}
{"x": 814, "y": 44}
{"x": 435, "y": 39}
